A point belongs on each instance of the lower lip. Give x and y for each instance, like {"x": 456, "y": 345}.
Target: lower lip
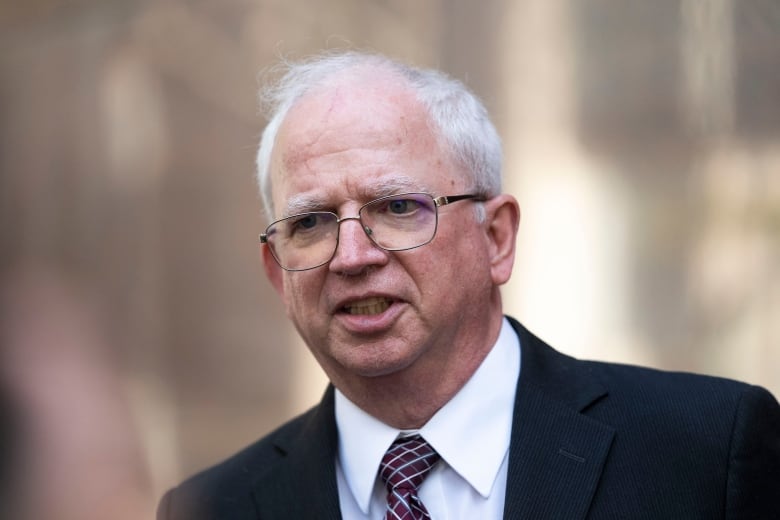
{"x": 371, "y": 323}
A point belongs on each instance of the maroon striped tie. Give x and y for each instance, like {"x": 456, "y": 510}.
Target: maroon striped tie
{"x": 403, "y": 469}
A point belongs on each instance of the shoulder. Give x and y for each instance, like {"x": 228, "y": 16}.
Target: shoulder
{"x": 254, "y": 460}
{"x": 635, "y": 395}
{"x": 226, "y": 487}
{"x": 645, "y": 382}
{"x": 697, "y": 400}
{"x": 691, "y": 406}
{"x": 555, "y": 372}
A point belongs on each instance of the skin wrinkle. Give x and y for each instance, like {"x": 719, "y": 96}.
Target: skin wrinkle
{"x": 304, "y": 156}
{"x": 386, "y": 186}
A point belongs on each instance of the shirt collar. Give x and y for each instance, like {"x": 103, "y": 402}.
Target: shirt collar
{"x": 479, "y": 414}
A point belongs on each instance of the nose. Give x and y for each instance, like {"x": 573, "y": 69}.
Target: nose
{"x": 355, "y": 252}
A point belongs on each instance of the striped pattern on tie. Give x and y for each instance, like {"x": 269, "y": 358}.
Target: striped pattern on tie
{"x": 403, "y": 469}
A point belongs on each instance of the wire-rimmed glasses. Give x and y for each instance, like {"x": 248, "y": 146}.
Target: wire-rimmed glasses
{"x": 394, "y": 223}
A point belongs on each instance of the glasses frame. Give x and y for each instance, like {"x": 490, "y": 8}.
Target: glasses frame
{"x": 439, "y": 201}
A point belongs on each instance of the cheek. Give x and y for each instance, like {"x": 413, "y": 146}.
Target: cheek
{"x": 465, "y": 261}
{"x": 461, "y": 245}
{"x": 301, "y": 296}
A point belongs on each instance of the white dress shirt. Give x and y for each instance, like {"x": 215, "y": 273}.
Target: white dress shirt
{"x": 471, "y": 433}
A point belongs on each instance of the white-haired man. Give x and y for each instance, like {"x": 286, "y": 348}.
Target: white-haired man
{"x": 389, "y": 243}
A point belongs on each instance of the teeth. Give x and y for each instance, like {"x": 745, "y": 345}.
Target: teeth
{"x": 368, "y": 306}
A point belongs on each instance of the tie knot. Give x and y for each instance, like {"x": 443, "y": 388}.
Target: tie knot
{"x": 407, "y": 463}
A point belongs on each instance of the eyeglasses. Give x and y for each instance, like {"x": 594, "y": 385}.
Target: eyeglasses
{"x": 394, "y": 223}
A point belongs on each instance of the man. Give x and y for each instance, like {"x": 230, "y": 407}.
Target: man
{"x": 389, "y": 242}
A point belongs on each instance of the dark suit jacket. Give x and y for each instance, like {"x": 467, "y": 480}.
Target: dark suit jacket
{"x": 589, "y": 440}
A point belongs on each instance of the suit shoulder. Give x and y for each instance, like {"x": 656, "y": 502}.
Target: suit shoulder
{"x": 678, "y": 397}
{"x": 254, "y": 459}
{"x": 646, "y": 379}
{"x": 648, "y": 390}
{"x": 570, "y": 378}
{"x": 227, "y": 484}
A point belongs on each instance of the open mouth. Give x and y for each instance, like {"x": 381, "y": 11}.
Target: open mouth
{"x": 368, "y": 307}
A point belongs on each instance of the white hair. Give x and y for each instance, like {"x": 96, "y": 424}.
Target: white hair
{"x": 457, "y": 116}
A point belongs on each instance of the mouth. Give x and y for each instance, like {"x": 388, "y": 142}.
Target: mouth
{"x": 368, "y": 306}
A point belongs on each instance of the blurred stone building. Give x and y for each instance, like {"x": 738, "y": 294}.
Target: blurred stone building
{"x": 642, "y": 139}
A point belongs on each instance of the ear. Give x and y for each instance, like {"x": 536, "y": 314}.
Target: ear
{"x": 273, "y": 272}
{"x": 502, "y": 222}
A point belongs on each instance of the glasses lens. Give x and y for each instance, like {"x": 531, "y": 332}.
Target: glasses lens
{"x": 400, "y": 221}
{"x": 303, "y": 241}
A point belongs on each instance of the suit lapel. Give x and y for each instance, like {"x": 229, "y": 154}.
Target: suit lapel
{"x": 556, "y": 454}
{"x": 304, "y": 485}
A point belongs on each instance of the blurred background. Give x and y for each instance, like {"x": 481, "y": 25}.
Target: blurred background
{"x": 140, "y": 340}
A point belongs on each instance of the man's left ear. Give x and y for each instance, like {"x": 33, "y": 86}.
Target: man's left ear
{"x": 502, "y": 221}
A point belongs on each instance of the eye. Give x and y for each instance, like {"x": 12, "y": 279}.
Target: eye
{"x": 402, "y": 206}
{"x": 305, "y": 225}
{"x": 305, "y": 222}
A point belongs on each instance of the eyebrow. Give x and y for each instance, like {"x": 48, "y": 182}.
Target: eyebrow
{"x": 307, "y": 202}
{"x": 392, "y": 186}
{"x": 303, "y": 203}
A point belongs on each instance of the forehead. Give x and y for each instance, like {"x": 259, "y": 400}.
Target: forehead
{"x": 365, "y": 128}
{"x": 355, "y": 111}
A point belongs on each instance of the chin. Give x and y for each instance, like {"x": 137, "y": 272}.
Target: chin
{"x": 375, "y": 361}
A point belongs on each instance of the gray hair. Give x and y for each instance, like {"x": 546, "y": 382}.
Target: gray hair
{"x": 458, "y": 117}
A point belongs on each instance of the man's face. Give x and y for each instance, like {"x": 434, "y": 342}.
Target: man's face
{"x": 369, "y": 312}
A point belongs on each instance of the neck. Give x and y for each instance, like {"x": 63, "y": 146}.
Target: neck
{"x": 408, "y": 399}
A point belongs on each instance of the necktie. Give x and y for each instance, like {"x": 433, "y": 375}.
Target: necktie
{"x": 403, "y": 469}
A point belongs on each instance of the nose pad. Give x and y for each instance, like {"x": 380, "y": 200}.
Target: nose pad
{"x": 352, "y": 235}
{"x": 356, "y": 249}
